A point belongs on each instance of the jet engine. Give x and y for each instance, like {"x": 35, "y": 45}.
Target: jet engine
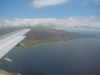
{"x": 20, "y": 45}
{"x": 2, "y": 72}
{"x": 5, "y": 59}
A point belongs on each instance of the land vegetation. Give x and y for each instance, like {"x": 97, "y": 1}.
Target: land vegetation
{"x": 47, "y": 35}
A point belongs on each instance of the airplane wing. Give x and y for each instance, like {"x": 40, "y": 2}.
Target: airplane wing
{"x": 10, "y": 40}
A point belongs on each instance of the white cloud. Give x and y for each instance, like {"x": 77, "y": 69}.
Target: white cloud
{"x": 94, "y": 2}
{"x": 74, "y": 22}
{"x": 44, "y": 3}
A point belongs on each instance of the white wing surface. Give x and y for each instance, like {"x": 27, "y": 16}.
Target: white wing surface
{"x": 8, "y": 41}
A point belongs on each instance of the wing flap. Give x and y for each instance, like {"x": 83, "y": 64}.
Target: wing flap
{"x": 5, "y": 47}
{"x": 12, "y": 35}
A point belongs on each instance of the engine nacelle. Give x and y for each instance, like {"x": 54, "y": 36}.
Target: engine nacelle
{"x": 20, "y": 45}
{"x": 5, "y": 59}
{"x": 2, "y": 72}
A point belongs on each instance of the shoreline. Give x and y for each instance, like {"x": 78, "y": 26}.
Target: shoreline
{"x": 24, "y": 42}
{"x": 46, "y": 42}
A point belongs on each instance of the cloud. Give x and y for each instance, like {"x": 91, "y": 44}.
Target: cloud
{"x": 93, "y": 2}
{"x": 72, "y": 22}
{"x": 44, "y": 3}
{"x": 85, "y": 3}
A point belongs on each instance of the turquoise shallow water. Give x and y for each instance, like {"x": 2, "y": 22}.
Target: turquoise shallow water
{"x": 74, "y": 57}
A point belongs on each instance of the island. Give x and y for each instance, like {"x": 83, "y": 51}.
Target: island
{"x": 42, "y": 35}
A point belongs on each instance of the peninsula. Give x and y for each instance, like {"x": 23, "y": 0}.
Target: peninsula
{"x": 47, "y": 35}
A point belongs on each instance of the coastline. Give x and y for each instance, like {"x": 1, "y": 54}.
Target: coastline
{"x": 41, "y": 42}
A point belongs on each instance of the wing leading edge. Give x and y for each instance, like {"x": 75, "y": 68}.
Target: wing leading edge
{"x": 10, "y": 40}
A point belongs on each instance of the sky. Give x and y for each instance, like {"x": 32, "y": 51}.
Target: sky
{"x": 56, "y": 13}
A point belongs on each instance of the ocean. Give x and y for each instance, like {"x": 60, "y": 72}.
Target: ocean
{"x": 73, "y": 57}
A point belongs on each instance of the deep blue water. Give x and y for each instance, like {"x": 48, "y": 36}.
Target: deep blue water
{"x": 73, "y": 57}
